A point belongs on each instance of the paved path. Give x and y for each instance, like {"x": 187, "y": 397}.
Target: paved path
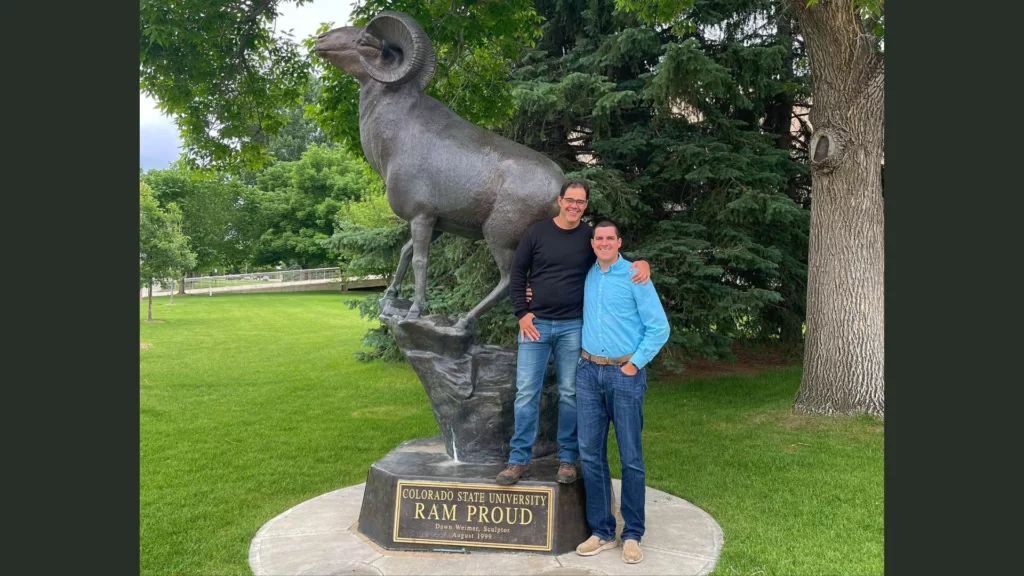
{"x": 318, "y": 537}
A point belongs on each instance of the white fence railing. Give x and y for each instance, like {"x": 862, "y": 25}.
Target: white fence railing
{"x": 257, "y": 281}
{"x": 261, "y": 278}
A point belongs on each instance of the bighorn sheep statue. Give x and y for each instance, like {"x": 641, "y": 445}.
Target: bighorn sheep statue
{"x": 443, "y": 173}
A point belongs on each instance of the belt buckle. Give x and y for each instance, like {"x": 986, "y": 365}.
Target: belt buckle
{"x": 603, "y": 360}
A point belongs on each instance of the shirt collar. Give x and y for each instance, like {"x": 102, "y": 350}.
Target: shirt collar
{"x": 619, "y": 263}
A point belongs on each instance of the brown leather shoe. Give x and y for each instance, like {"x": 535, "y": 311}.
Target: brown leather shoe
{"x": 511, "y": 474}
{"x": 566, "y": 473}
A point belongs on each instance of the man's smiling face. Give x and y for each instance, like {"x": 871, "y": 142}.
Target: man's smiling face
{"x": 606, "y": 243}
{"x": 573, "y": 204}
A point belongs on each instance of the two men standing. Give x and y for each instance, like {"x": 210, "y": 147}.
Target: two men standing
{"x": 603, "y": 327}
{"x": 555, "y": 255}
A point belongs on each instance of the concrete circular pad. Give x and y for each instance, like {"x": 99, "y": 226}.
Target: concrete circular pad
{"x": 319, "y": 538}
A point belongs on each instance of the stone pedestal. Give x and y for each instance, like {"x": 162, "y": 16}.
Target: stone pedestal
{"x": 419, "y": 498}
{"x": 439, "y": 494}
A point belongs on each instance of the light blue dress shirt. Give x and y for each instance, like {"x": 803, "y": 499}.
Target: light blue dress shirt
{"x": 621, "y": 317}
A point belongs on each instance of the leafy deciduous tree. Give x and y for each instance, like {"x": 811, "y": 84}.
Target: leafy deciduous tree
{"x": 163, "y": 249}
{"x": 844, "y": 359}
{"x": 298, "y": 202}
{"x": 220, "y": 70}
{"x": 210, "y": 213}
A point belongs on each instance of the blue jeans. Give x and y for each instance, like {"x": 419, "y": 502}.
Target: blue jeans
{"x": 605, "y": 394}
{"x": 563, "y": 338}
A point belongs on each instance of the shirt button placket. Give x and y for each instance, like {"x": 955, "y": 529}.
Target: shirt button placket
{"x": 600, "y": 312}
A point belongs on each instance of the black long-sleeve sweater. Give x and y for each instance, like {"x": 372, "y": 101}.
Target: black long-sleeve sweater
{"x": 555, "y": 261}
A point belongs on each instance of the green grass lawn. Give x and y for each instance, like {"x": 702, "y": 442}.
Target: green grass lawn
{"x": 253, "y": 403}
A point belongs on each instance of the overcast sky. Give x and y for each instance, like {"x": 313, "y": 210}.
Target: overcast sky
{"x": 158, "y": 137}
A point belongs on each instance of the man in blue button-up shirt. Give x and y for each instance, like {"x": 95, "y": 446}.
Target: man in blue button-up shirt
{"x": 624, "y": 327}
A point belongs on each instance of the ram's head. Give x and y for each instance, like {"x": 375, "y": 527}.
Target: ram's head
{"x": 393, "y": 49}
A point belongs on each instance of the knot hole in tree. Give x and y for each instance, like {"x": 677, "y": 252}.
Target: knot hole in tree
{"x": 826, "y": 149}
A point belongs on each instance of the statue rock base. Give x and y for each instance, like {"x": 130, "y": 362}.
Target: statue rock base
{"x": 472, "y": 388}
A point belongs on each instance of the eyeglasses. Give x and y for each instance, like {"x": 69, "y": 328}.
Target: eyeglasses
{"x": 579, "y": 202}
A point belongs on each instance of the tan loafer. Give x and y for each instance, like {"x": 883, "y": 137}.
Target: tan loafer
{"x": 631, "y": 552}
{"x": 593, "y": 545}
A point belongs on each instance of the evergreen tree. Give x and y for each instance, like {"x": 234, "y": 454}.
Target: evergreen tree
{"x": 842, "y": 42}
{"x": 667, "y": 125}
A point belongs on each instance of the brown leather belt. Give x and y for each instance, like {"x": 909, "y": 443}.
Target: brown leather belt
{"x": 606, "y": 360}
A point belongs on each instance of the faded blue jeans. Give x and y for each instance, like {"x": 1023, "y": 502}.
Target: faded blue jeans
{"x": 563, "y": 338}
{"x": 605, "y": 394}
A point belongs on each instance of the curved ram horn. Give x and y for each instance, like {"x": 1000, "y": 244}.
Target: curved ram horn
{"x": 406, "y": 52}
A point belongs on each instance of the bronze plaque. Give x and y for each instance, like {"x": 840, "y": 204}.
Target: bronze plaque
{"x": 461, "y": 514}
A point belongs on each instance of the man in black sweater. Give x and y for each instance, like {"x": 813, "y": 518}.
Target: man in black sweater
{"x": 554, "y": 256}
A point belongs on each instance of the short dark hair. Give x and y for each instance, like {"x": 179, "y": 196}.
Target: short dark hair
{"x": 575, "y": 184}
{"x": 605, "y": 224}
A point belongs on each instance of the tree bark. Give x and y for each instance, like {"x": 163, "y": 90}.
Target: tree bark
{"x": 172, "y": 292}
{"x": 182, "y": 289}
{"x": 844, "y": 360}
{"x": 149, "y": 311}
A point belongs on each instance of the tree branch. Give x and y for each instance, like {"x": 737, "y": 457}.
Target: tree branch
{"x": 260, "y": 9}
{"x": 246, "y": 26}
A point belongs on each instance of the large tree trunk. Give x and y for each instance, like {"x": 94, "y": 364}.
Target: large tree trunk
{"x": 149, "y": 311}
{"x": 182, "y": 289}
{"x": 844, "y": 358}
